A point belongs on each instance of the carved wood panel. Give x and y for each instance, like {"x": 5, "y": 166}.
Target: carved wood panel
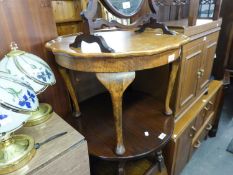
{"x": 209, "y": 51}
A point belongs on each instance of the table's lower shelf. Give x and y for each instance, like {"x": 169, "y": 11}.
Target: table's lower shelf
{"x": 141, "y": 113}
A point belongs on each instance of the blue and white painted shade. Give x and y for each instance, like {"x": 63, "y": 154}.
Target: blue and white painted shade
{"x": 28, "y": 68}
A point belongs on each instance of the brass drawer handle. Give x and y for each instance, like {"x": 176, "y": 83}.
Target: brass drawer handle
{"x": 197, "y": 144}
{"x": 206, "y": 108}
{"x": 209, "y": 127}
{"x": 194, "y": 130}
{"x": 211, "y": 103}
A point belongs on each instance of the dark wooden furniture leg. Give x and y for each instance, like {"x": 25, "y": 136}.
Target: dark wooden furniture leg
{"x": 71, "y": 90}
{"x": 173, "y": 74}
{"x": 158, "y": 167}
{"x": 116, "y": 83}
{"x": 121, "y": 167}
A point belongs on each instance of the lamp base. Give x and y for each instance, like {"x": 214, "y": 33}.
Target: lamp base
{"x": 43, "y": 114}
{"x": 16, "y": 152}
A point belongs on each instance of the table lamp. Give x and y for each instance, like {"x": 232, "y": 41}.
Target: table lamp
{"x": 17, "y": 101}
{"x": 33, "y": 70}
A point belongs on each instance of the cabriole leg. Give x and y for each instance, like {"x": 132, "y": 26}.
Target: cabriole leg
{"x": 172, "y": 78}
{"x": 116, "y": 83}
{"x": 71, "y": 90}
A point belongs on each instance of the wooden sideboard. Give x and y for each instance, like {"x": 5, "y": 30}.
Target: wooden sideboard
{"x": 65, "y": 155}
{"x": 197, "y": 97}
{"x": 197, "y": 61}
{"x": 192, "y": 129}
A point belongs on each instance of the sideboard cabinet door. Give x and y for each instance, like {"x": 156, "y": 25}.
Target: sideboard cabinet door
{"x": 192, "y": 55}
{"x": 183, "y": 149}
{"x": 210, "y": 44}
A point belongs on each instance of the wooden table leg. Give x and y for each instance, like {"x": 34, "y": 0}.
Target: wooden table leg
{"x": 116, "y": 83}
{"x": 161, "y": 164}
{"x": 121, "y": 167}
{"x": 71, "y": 90}
{"x": 158, "y": 167}
{"x": 173, "y": 74}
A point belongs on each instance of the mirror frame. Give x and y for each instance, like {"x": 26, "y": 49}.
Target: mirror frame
{"x": 108, "y": 5}
{"x": 92, "y": 24}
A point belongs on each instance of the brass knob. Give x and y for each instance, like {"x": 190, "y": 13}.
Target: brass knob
{"x": 14, "y": 46}
{"x": 197, "y": 144}
{"x": 199, "y": 74}
{"x": 202, "y": 72}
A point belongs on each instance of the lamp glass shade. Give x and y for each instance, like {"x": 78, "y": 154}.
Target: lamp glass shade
{"x": 29, "y": 68}
{"x": 11, "y": 121}
{"x": 17, "y": 101}
{"x": 17, "y": 95}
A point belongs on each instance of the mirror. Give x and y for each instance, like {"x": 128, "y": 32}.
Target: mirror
{"x": 123, "y": 8}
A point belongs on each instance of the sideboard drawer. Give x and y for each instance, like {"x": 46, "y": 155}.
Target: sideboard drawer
{"x": 200, "y": 120}
{"x": 191, "y": 129}
{"x": 197, "y": 142}
{"x": 210, "y": 106}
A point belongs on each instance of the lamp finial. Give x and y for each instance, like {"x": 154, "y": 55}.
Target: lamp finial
{"x": 14, "y": 46}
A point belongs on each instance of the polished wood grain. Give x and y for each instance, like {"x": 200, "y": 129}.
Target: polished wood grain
{"x": 196, "y": 61}
{"x": 206, "y": 26}
{"x": 125, "y": 44}
{"x": 191, "y": 57}
{"x": 108, "y": 64}
{"x": 55, "y": 150}
{"x": 141, "y": 113}
{"x": 207, "y": 60}
{"x": 116, "y": 83}
{"x": 183, "y": 149}
{"x": 76, "y": 161}
{"x": 67, "y": 16}
{"x": 191, "y": 129}
{"x": 69, "y": 28}
{"x": 30, "y": 24}
{"x": 117, "y": 70}
{"x": 199, "y": 105}
{"x": 200, "y": 119}
{"x": 66, "y": 11}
